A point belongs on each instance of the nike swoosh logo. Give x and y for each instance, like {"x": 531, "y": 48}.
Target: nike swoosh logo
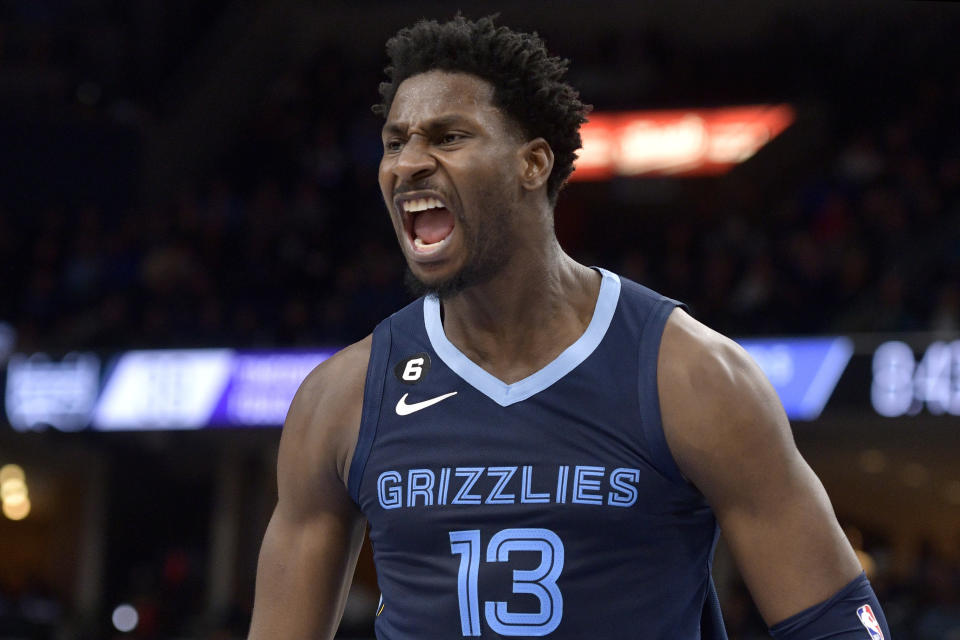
{"x": 404, "y": 409}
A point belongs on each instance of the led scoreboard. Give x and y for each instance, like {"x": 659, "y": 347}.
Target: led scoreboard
{"x": 903, "y": 385}
{"x": 189, "y": 389}
{"x": 175, "y": 389}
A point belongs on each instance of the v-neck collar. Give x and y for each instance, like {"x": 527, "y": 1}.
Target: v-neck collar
{"x": 506, "y": 394}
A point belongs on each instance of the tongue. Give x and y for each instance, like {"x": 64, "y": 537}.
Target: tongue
{"x": 433, "y": 225}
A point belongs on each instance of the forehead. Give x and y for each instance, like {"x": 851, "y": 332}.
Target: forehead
{"x": 437, "y": 94}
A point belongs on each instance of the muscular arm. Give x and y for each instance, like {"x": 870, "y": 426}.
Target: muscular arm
{"x": 730, "y": 436}
{"x": 311, "y": 544}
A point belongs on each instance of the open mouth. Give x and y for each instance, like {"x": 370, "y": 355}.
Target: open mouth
{"x": 428, "y": 223}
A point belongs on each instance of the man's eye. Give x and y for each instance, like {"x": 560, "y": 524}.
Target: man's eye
{"x": 450, "y": 138}
{"x": 393, "y": 145}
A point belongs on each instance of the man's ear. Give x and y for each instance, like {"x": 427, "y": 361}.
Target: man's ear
{"x": 536, "y": 164}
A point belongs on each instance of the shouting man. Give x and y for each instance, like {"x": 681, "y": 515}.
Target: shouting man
{"x": 540, "y": 448}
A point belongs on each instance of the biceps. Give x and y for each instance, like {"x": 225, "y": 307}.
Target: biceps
{"x": 304, "y": 573}
{"x": 787, "y": 542}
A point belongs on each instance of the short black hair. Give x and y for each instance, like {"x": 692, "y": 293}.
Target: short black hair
{"x": 527, "y": 82}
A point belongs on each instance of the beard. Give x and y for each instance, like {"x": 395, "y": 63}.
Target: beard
{"x": 489, "y": 248}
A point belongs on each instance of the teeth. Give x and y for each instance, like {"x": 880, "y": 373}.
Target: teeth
{"x": 420, "y": 244}
{"x": 421, "y": 204}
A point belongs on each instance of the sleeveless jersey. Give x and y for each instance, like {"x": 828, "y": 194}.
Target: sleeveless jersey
{"x": 547, "y": 507}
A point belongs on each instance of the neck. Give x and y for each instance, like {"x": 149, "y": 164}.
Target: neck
{"x": 539, "y": 304}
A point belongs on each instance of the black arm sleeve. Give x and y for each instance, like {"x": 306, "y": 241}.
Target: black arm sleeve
{"x": 853, "y": 613}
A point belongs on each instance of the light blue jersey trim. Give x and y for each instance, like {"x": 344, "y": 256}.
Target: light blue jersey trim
{"x": 507, "y": 394}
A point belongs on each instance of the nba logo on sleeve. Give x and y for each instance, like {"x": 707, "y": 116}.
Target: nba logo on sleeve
{"x": 868, "y": 620}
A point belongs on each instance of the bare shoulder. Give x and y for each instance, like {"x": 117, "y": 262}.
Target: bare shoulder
{"x": 717, "y": 405}
{"x": 323, "y": 422}
{"x": 334, "y": 382}
{"x": 716, "y": 369}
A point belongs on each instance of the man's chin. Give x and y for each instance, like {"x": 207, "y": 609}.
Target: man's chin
{"x": 442, "y": 288}
{"x": 478, "y": 267}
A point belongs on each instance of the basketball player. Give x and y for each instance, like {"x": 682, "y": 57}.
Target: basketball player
{"x": 540, "y": 448}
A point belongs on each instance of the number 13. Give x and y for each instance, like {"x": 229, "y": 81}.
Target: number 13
{"x": 540, "y": 582}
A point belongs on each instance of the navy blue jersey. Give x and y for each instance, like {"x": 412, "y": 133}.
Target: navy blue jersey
{"x": 547, "y": 507}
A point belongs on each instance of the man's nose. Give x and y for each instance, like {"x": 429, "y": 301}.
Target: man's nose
{"x": 414, "y": 161}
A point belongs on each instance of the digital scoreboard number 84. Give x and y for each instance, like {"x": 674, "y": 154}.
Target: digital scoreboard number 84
{"x": 902, "y": 386}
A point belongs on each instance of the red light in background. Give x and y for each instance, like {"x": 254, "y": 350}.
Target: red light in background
{"x": 683, "y": 142}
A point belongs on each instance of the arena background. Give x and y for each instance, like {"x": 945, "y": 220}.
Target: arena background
{"x": 201, "y": 175}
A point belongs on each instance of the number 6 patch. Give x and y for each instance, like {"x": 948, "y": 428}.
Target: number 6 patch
{"x": 411, "y": 370}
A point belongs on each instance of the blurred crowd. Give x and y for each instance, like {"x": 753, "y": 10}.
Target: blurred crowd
{"x": 286, "y": 241}
{"x": 871, "y": 245}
